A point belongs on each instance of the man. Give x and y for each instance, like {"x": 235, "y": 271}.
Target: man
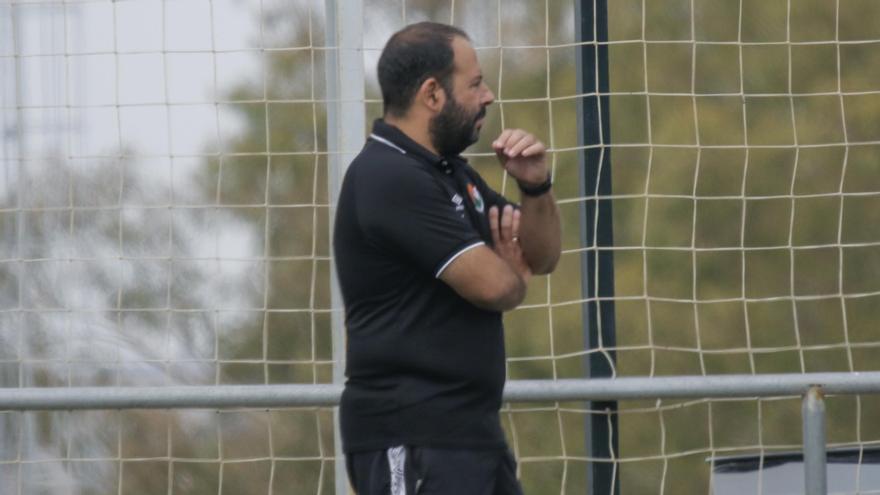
{"x": 428, "y": 258}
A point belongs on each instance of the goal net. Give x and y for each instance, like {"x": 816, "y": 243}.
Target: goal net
{"x": 164, "y": 220}
{"x": 745, "y": 159}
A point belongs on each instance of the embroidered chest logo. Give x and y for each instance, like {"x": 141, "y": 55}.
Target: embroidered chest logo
{"x": 459, "y": 202}
{"x": 476, "y": 198}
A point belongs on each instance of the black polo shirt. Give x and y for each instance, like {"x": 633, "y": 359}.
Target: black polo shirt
{"x": 424, "y": 366}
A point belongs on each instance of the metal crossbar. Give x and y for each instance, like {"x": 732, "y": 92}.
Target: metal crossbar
{"x": 812, "y": 386}
{"x": 672, "y": 387}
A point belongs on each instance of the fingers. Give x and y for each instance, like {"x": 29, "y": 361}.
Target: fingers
{"x": 515, "y": 226}
{"x": 493, "y": 225}
{"x": 501, "y": 141}
{"x": 498, "y": 145}
{"x": 516, "y": 142}
{"x": 535, "y": 149}
{"x": 507, "y": 224}
{"x": 517, "y": 147}
{"x": 505, "y": 229}
{"x": 505, "y": 232}
{"x": 507, "y": 140}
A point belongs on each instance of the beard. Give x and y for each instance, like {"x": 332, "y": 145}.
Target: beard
{"x": 454, "y": 128}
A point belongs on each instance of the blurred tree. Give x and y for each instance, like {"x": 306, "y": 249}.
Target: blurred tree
{"x": 746, "y": 191}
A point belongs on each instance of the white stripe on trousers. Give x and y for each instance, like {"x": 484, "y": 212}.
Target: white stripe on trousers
{"x": 396, "y": 462}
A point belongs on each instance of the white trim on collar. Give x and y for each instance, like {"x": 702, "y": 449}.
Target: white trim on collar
{"x": 387, "y": 142}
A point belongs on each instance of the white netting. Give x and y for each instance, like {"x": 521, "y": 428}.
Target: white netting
{"x": 745, "y": 194}
{"x": 164, "y": 214}
{"x": 164, "y": 220}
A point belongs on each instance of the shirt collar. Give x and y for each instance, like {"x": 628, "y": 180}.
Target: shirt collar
{"x": 390, "y": 135}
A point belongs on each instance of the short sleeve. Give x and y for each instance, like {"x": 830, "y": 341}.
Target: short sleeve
{"x": 403, "y": 209}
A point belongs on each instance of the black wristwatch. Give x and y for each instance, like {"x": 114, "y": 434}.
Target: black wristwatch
{"x": 536, "y": 190}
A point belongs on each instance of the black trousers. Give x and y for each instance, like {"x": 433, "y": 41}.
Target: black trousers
{"x": 408, "y": 470}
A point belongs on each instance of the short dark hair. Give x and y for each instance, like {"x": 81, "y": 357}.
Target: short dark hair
{"x": 412, "y": 55}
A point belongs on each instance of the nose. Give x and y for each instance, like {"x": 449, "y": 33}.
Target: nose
{"x": 488, "y": 96}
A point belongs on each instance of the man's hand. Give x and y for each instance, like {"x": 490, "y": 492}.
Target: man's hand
{"x": 494, "y": 279}
{"x": 505, "y": 240}
{"x": 522, "y": 155}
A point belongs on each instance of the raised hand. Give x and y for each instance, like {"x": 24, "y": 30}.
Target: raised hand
{"x": 522, "y": 155}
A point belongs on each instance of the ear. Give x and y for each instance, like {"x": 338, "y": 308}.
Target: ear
{"x": 431, "y": 94}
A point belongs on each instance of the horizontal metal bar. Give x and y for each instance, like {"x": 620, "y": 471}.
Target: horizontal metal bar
{"x": 671, "y": 387}
{"x": 262, "y": 396}
{"x": 190, "y": 397}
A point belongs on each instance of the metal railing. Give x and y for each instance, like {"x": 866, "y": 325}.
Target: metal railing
{"x": 812, "y": 387}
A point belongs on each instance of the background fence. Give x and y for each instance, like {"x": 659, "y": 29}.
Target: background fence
{"x": 165, "y": 212}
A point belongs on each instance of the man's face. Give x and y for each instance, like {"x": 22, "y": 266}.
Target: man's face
{"x": 456, "y": 127}
{"x": 458, "y": 124}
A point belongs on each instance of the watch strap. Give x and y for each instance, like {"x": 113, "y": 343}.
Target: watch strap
{"x": 536, "y": 190}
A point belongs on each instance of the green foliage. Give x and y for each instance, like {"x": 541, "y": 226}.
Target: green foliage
{"x": 738, "y": 253}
